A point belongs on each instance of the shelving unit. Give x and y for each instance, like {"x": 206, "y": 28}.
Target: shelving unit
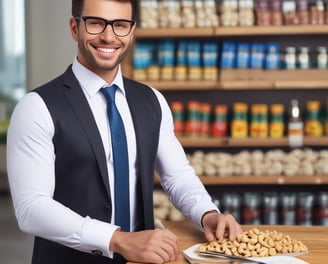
{"x": 231, "y": 83}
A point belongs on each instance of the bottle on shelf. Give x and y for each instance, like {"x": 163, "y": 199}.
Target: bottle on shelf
{"x": 178, "y": 117}
{"x": 304, "y": 58}
{"x": 326, "y": 125}
{"x": 295, "y": 125}
{"x": 322, "y": 57}
{"x": 239, "y": 124}
{"x": 313, "y": 126}
{"x": 219, "y": 126}
{"x": 277, "y": 121}
{"x": 290, "y": 58}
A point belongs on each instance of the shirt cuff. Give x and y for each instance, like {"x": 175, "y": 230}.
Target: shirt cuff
{"x": 96, "y": 236}
{"x": 204, "y": 205}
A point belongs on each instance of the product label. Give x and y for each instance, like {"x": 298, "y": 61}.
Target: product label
{"x": 295, "y": 134}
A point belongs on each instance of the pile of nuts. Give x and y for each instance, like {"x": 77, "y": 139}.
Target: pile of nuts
{"x": 255, "y": 243}
{"x": 273, "y": 162}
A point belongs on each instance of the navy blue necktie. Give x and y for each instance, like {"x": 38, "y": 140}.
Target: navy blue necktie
{"x": 120, "y": 158}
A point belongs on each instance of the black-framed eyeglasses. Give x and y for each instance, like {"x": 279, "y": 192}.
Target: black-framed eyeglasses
{"x": 97, "y": 25}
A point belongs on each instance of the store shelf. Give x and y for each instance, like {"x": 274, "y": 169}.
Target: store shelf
{"x": 252, "y": 79}
{"x": 195, "y": 142}
{"x": 183, "y": 85}
{"x": 265, "y": 179}
{"x": 231, "y": 31}
{"x": 174, "y": 32}
{"x": 271, "y": 30}
{"x": 262, "y": 180}
{"x": 237, "y": 84}
{"x": 245, "y": 79}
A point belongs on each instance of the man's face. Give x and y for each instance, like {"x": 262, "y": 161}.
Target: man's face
{"x": 102, "y": 53}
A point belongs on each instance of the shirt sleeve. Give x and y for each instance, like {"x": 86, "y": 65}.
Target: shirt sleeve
{"x": 30, "y": 165}
{"x": 177, "y": 177}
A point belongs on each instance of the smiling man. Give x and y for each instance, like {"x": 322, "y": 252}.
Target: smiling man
{"x": 82, "y": 151}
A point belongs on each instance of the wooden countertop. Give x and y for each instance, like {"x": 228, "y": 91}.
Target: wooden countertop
{"x": 314, "y": 237}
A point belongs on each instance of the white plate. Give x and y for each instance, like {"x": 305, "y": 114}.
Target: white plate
{"x": 194, "y": 258}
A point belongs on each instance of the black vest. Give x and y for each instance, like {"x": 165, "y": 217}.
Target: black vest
{"x": 80, "y": 167}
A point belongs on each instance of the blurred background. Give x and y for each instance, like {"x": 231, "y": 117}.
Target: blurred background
{"x": 35, "y": 46}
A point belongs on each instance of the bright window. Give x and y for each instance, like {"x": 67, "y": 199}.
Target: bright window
{"x": 12, "y": 56}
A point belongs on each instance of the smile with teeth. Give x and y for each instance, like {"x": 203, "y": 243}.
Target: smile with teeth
{"x": 106, "y": 50}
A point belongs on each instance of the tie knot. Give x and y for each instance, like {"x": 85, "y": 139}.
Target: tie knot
{"x": 109, "y": 92}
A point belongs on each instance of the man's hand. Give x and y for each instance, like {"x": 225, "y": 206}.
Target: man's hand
{"x": 217, "y": 226}
{"x": 150, "y": 246}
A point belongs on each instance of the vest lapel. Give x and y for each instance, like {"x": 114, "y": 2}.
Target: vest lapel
{"x": 79, "y": 104}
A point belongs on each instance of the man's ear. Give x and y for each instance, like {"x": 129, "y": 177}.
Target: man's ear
{"x": 74, "y": 26}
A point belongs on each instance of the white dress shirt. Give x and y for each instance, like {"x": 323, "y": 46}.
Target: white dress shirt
{"x": 31, "y": 162}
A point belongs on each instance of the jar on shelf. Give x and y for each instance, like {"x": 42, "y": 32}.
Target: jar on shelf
{"x": 326, "y": 119}
{"x": 255, "y": 119}
{"x": 263, "y": 14}
{"x": 313, "y": 126}
{"x": 192, "y": 124}
{"x": 149, "y": 14}
{"x": 229, "y": 13}
{"x": 246, "y": 14}
{"x": 304, "y": 58}
{"x": 205, "y": 112}
{"x": 252, "y": 209}
{"x": 277, "y": 126}
{"x": 178, "y": 116}
{"x": 219, "y": 126}
{"x": 170, "y": 14}
{"x": 317, "y": 13}
{"x": 304, "y": 209}
{"x": 303, "y": 12}
{"x": 263, "y": 126}
{"x": 239, "y": 124}
{"x": 289, "y": 12}
{"x": 276, "y": 13}
{"x": 322, "y": 209}
{"x": 232, "y": 205}
{"x": 259, "y": 120}
{"x": 290, "y": 58}
{"x": 322, "y": 57}
{"x": 188, "y": 14}
{"x": 295, "y": 124}
{"x": 288, "y": 209}
{"x": 270, "y": 209}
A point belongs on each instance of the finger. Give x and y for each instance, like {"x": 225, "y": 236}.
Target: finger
{"x": 170, "y": 251}
{"x": 209, "y": 234}
{"x": 221, "y": 227}
{"x": 172, "y": 241}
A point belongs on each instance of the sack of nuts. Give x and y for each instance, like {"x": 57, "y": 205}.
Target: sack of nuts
{"x": 255, "y": 243}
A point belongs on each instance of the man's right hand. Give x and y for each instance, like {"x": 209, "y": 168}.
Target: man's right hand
{"x": 149, "y": 246}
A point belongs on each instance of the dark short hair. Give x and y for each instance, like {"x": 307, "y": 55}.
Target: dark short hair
{"x": 77, "y": 7}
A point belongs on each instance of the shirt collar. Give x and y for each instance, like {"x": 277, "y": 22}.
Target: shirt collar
{"x": 91, "y": 83}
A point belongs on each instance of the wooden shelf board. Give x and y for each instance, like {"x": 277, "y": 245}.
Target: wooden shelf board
{"x": 236, "y": 85}
{"x": 271, "y": 30}
{"x": 193, "y": 142}
{"x": 262, "y": 180}
{"x": 265, "y": 179}
{"x": 222, "y": 31}
{"x": 174, "y": 32}
{"x": 182, "y": 85}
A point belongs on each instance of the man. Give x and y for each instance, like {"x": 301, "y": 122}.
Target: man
{"x": 61, "y": 161}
